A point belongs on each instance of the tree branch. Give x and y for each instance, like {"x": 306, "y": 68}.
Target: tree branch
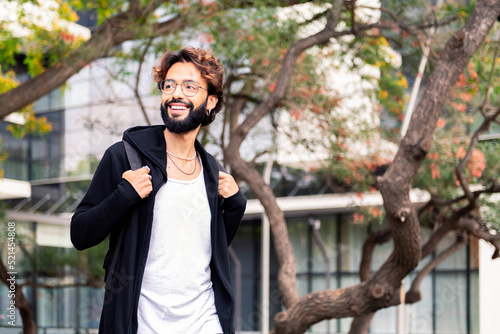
{"x": 375, "y": 238}
{"x": 473, "y": 143}
{"x": 414, "y": 295}
{"x": 435, "y": 202}
{"x": 336, "y": 304}
{"x": 134, "y": 5}
{"x": 137, "y": 79}
{"x": 322, "y": 248}
{"x": 489, "y": 86}
{"x": 448, "y": 225}
{"x": 412, "y": 30}
{"x": 479, "y": 230}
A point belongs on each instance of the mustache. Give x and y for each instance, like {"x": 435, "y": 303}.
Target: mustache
{"x": 187, "y": 103}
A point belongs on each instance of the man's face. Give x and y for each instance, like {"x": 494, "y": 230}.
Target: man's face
{"x": 183, "y": 113}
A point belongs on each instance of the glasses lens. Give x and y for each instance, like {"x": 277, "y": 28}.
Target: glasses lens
{"x": 168, "y": 86}
{"x": 189, "y": 88}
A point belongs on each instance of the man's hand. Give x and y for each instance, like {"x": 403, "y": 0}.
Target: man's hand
{"x": 140, "y": 180}
{"x": 227, "y": 185}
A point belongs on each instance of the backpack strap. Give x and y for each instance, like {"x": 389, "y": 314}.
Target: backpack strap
{"x": 133, "y": 156}
{"x": 221, "y": 168}
{"x": 135, "y": 162}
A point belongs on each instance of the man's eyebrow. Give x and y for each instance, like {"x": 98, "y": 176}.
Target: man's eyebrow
{"x": 185, "y": 80}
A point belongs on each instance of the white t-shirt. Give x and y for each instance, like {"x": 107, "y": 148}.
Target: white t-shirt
{"x": 176, "y": 293}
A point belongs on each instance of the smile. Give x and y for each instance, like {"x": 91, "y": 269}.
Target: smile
{"x": 178, "y": 107}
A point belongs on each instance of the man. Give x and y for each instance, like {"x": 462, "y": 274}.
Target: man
{"x": 167, "y": 268}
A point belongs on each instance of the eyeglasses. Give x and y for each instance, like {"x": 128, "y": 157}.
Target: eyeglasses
{"x": 189, "y": 88}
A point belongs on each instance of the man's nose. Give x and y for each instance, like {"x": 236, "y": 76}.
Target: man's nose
{"x": 178, "y": 93}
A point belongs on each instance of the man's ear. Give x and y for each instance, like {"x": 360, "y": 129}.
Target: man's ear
{"x": 212, "y": 101}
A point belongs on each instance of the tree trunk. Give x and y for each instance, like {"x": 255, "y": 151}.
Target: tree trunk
{"x": 282, "y": 245}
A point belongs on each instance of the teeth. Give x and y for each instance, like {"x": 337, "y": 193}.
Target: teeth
{"x": 177, "y": 108}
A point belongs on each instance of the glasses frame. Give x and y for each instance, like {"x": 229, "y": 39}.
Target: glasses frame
{"x": 161, "y": 84}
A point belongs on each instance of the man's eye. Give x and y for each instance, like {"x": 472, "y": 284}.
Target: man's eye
{"x": 190, "y": 86}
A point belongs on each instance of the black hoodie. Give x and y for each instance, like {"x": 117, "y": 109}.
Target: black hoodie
{"x": 112, "y": 204}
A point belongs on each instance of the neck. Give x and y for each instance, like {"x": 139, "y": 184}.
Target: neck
{"x": 181, "y": 144}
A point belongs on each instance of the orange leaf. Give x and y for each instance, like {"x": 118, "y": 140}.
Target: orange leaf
{"x": 466, "y": 97}
{"x": 435, "y": 171}
{"x": 460, "y": 154}
{"x": 440, "y": 123}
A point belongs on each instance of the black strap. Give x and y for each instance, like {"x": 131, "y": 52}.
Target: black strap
{"x": 133, "y": 156}
{"x": 135, "y": 162}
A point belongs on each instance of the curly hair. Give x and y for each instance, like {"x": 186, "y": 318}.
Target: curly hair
{"x": 210, "y": 68}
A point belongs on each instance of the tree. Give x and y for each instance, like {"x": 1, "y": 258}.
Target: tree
{"x": 244, "y": 111}
{"x": 382, "y": 288}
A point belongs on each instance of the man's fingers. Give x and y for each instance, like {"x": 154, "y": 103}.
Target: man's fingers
{"x": 146, "y": 169}
{"x": 140, "y": 180}
{"x": 227, "y": 185}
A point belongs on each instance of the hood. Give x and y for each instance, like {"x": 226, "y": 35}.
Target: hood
{"x": 149, "y": 141}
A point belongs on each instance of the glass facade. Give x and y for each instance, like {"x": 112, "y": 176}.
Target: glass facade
{"x": 66, "y": 309}
{"x": 34, "y": 157}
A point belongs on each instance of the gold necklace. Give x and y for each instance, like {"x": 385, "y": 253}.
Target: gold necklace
{"x": 178, "y": 157}
{"x": 184, "y": 172}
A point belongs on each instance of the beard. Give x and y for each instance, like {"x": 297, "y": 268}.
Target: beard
{"x": 194, "y": 118}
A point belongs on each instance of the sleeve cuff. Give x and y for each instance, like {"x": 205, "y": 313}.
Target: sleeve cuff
{"x": 235, "y": 201}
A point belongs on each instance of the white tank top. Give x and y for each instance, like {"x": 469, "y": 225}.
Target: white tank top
{"x": 176, "y": 293}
